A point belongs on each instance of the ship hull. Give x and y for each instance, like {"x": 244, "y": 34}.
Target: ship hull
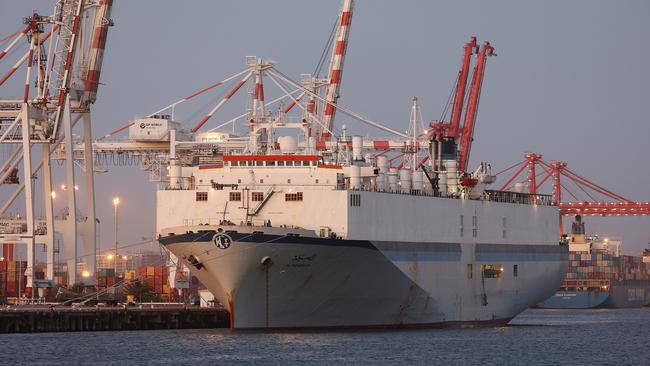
{"x": 575, "y": 300}
{"x": 627, "y": 294}
{"x": 280, "y": 280}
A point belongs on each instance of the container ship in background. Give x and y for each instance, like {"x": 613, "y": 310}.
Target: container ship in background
{"x": 599, "y": 276}
{"x": 295, "y": 227}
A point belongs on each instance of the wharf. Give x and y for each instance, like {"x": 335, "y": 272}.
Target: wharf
{"x": 66, "y": 319}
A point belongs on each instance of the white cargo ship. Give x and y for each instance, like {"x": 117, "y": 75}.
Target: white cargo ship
{"x": 298, "y": 246}
{"x": 317, "y": 229}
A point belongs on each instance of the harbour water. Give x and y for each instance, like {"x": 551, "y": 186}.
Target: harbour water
{"x": 544, "y": 337}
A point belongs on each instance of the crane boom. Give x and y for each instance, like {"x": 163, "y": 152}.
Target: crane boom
{"x": 336, "y": 66}
{"x": 101, "y": 22}
{"x": 472, "y": 106}
{"x": 470, "y": 48}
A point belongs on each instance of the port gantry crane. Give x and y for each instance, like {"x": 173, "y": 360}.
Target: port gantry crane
{"x": 452, "y": 137}
{"x": 594, "y": 200}
{"x": 62, "y": 74}
{"x": 471, "y": 113}
{"x": 469, "y": 49}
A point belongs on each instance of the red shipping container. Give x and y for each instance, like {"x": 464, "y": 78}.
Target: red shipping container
{"x": 8, "y": 252}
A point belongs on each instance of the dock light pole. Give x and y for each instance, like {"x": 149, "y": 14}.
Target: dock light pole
{"x": 116, "y": 202}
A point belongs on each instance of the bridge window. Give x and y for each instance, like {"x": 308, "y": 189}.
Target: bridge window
{"x": 257, "y": 196}
{"x": 280, "y": 163}
{"x": 201, "y": 196}
{"x": 293, "y": 196}
{"x": 235, "y": 196}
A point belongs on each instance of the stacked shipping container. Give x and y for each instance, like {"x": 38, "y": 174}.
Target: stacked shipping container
{"x": 598, "y": 269}
{"x": 12, "y": 278}
{"x": 156, "y": 277}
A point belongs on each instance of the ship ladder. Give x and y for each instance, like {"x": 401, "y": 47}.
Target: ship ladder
{"x": 266, "y": 198}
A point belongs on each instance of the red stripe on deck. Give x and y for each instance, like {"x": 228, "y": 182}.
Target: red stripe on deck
{"x": 212, "y": 166}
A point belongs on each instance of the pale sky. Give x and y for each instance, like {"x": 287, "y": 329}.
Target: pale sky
{"x": 570, "y": 80}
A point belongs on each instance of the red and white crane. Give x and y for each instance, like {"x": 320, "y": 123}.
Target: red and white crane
{"x": 336, "y": 67}
{"x": 467, "y": 135}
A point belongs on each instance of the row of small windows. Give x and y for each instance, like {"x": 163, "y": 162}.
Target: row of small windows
{"x": 293, "y": 196}
{"x": 491, "y": 270}
{"x": 273, "y": 163}
{"x": 255, "y": 196}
